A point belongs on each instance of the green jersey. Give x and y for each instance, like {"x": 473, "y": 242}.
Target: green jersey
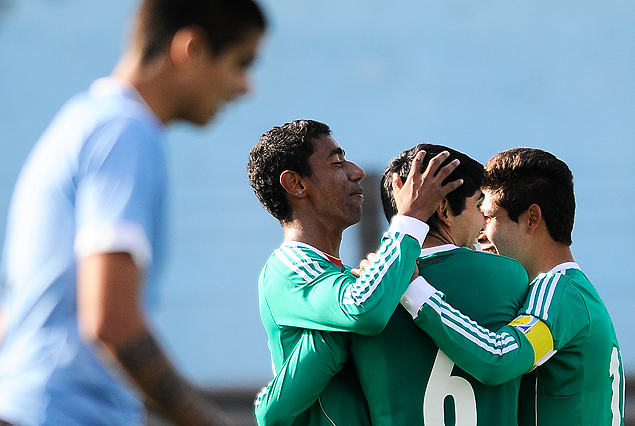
{"x": 407, "y": 380}
{"x": 302, "y": 291}
{"x": 582, "y": 381}
{"x": 403, "y": 375}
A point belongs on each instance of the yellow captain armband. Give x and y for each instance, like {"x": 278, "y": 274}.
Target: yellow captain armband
{"x": 539, "y": 336}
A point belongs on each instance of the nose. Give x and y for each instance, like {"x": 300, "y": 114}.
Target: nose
{"x": 483, "y": 223}
{"x": 246, "y": 86}
{"x": 243, "y": 85}
{"x": 357, "y": 173}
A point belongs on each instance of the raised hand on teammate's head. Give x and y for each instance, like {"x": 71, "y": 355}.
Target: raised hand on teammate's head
{"x": 421, "y": 193}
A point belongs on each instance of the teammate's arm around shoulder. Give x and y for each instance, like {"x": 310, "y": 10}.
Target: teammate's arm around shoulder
{"x": 110, "y": 312}
{"x": 492, "y": 356}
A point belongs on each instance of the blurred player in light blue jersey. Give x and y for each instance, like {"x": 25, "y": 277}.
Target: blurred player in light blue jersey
{"x": 85, "y": 231}
{"x": 578, "y": 377}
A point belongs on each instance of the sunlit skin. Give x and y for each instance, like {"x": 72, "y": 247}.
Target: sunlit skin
{"x": 189, "y": 82}
{"x": 222, "y": 79}
{"x": 528, "y": 240}
{"x": 502, "y": 235}
{"x": 330, "y": 199}
{"x": 461, "y": 230}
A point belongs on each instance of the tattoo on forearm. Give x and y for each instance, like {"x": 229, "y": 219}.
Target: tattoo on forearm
{"x": 148, "y": 365}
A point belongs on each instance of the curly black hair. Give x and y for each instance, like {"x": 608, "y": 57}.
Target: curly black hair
{"x": 287, "y": 147}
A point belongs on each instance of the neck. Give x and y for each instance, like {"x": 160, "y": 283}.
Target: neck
{"x": 149, "y": 80}
{"x": 550, "y": 256}
{"x": 435, "y": 239}
{"x": 327, "y": 241}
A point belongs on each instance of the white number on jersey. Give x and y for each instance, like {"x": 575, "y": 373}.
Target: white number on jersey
{"x": 441, "y": 385}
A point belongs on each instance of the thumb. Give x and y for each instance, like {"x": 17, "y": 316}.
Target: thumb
{"x": 397, "y": 184}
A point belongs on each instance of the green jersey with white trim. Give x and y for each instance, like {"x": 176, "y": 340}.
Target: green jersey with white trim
{"x": 581, "y": 384}
{"x": 407, "y": 380}
{"x": 404, "y": 377}
{"x": 300, "y": 288}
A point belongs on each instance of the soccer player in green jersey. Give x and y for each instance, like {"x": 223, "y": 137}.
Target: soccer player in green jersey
{"x": 578, "y": 377}
{"x": 300, "y": 175}
{"x": 405, "y": 379}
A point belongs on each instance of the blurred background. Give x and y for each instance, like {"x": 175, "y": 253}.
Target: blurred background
{"x": 480, "y": 77}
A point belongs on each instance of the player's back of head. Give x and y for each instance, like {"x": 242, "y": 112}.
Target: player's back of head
{"x": 470, "y": 170}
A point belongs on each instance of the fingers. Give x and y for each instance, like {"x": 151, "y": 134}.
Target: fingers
{"x": 415, "y": 166}
{"x": 440, "y": 173}
{"x": 364, "y": 265}
{"x": 451, "y": 186}
{"x": 434, "y": 166}
{"x": 397, "y": 184}
{"x": 435, "y": 163}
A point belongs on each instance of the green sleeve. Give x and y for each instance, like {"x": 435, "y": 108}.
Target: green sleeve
{"x": 492, "y": 357}
{"x": 560, "y": 305}
{"x": 315, "y": 359}
{"x": 302, "y": 291}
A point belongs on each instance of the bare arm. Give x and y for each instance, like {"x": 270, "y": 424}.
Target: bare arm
{"x": 110, "y": 312}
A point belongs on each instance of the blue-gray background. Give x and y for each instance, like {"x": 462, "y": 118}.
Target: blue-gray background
{"x": 479, "y": 76}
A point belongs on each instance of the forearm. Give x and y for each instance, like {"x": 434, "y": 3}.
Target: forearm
{"x": 492, "y": 357}
{"x": 315, "y": 359}
{"x": 109, "y": 312}
{"x": 150, "y": 368}
{"x": 337, "y": 300}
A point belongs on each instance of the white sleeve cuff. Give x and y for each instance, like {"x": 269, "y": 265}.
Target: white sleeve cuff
{"x": 409, "y": 225}
{"x": 417, "y": 294}
{"x": 120, "y": 237}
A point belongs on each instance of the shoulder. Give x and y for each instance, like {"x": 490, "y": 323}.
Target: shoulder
{"x": 555, "y": 292}
{"x": 297, "y": 261}
{"x": 117, "y": 110}
{"x": 570, "y": 285}
{"x": 549, "y": 281}
{"x": 485, "y": 260}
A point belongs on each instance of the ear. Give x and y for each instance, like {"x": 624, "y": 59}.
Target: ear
{"x": 292, "y": 183}
{"x": 534, "y": 218}
{"x": 187, "y": 44}
{"x": 443, "y": 212}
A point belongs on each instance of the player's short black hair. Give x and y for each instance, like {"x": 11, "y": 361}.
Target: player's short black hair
{"x": 225, "y": 22}
{"x": 521, "y": 177}
{"x": 287, "y": 147}
{"x": 470, "y": 170}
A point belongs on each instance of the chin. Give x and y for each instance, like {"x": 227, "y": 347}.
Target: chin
{"x": 207, "y": 120}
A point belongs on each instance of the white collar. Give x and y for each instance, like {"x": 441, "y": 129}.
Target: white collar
{"x": 437, "y": 249}
{"x": 305, "y": 245}
{"x": 563, "y": 267}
